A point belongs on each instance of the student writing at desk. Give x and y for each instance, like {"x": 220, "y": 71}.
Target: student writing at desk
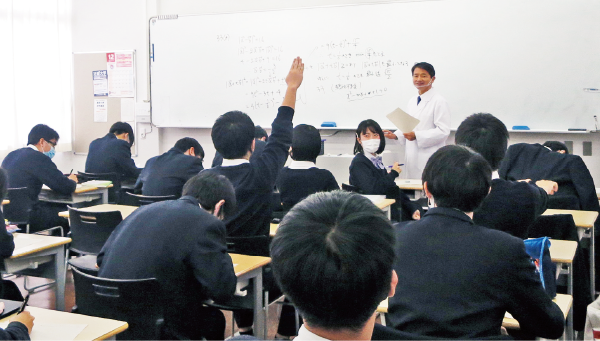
{"x": 167, "y": 173}
{"x": 112, "y": 153}
{"x": 461, "y": 278}
{"x": 181, "y": 243}
{"x": 32, "y": 167}
{"x": 253, "y": 180}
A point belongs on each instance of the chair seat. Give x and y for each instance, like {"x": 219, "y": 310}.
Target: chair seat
{"x": 86, "y": 264}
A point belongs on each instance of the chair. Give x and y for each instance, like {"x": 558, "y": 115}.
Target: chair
{"x": 113, "y": 192}
{"x": 136, "y": 301}
{"x": 251, "y": 246}
{"x": 140, "y": 200}
{"x": 350, "y": 188}
{"x": 89, "y": 232}
{"x": 19, "y": 209}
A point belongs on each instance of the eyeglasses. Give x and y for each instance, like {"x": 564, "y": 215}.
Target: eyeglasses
{"x": 51, "y": 143}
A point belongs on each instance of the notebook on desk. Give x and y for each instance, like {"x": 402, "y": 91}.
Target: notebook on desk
{"x": 10, "y": 307}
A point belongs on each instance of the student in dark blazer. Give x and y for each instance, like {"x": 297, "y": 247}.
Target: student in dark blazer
{"x": 302, "y": 177}
{"x": 260, "y": 138}
{"x": 368, "y": 173}
{"x": 457, "y": 279}
{"x": 32, "y": 167}
{"x": 112, "y": 153}
{"x": 181, "y": 243}
{"x": 511, "y": 206}
{"x": 167, "y": 173}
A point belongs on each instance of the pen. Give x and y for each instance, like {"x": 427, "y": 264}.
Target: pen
{"x": 398, "y": 165}
{"x": 23, "y": 305}
{"x": 71, "y": 172}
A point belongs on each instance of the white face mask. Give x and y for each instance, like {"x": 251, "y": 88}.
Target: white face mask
{"x": 424, "y": 86}
{"x": 370, "y": 146}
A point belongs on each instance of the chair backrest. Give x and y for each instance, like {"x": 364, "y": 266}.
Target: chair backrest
{"x": 140, "y": 200}
{"x": 350, "y": 188}
{"x": 90, "y": 230}
{"x": 19, "y": 209}
{"x": 113, "y": 192}
{"x": 136, "y": 301}
{"x": 251, "y": 246}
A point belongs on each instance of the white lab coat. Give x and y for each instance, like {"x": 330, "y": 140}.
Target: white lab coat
{"x": 431, "y": 132}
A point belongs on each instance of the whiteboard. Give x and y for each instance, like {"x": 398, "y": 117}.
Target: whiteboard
{"x": 526, "y": 62}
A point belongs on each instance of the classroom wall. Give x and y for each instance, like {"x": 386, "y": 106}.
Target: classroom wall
{"x": 123, "y": 24}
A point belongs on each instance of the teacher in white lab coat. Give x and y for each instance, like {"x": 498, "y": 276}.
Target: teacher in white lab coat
{"x": 433, "y": 112}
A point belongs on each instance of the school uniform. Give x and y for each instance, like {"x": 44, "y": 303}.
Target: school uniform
{"x": 254, "y": 180}
{"x": 457, "y": 279}
{"x": 183, "y": 247}
{"x": 109, "y": 154}
{"x": 373, "y": 180}
{"x": 167, "y": 173}
{"x": 27, "y": 167}
{"x": 511, "y": 207}
{"x": 8, "y": 289}
{"x": 301, "y": 179}
{"x": 259, "y": 146}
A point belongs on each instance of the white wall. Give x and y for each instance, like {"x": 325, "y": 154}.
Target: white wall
{"x": 122, "y": 24}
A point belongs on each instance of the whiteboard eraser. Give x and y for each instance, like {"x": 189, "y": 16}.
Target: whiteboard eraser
{"x": 328, "y": 124}
{"x": 520, "y": 128}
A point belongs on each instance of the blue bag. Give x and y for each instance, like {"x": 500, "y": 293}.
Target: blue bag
{"x": 539, "y": 251}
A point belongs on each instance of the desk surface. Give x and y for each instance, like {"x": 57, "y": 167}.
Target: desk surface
{"x": 5, "y": 202}
{"x": 243, "y": 264}
{"x": 124, "y": 209}
{"x": 585, "y": 219}
{"x": 80, "y": 188}
{"x": 562, "y": 251}
{"x": 563, "y": 302}
{"x": 96, "y": 329}
{"x": 26, "y": 244}
{"x": 410, "y": 184}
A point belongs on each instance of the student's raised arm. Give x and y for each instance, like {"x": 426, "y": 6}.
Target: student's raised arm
{"x": 293, "y": 80}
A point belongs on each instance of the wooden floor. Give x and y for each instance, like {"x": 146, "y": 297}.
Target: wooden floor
{"x": 45, "y": 299}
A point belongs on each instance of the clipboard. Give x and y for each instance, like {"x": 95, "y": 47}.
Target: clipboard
{"x": 403, "y": 121}
{"x": 10, "y": 307}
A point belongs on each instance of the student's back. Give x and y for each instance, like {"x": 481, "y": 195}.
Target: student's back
{"x": 112, "y": 153}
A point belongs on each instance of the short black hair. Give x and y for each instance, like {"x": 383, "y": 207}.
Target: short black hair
{"x": 259, "y": 133}
{"x": 486, "y": 135}
{"x": 188, "y": 142}
{"x": 232, "y": 134}
{"x": 41, "y": 131}
{"x": 3, "y": 184}
{"x": 457, "y": 177}
{"x": 123, "y": 127}
{"x": 425, "y": 66}
{"x": 373, "y": 127}
{"x": 209, "y": 188}
{"x": 556, "y": 146}
{"x": 306, "y": 143}
{"x": 332, "y": 256}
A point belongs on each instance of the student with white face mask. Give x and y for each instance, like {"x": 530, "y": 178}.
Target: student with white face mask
{"x": 434, "y": 127}
{"x": 369, "y": 174}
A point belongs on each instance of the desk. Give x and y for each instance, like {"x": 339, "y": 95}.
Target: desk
{"x": 585, "y": 220}
{"x": 411, "y": 185}
{"x": 564, "y": 302}
{"x": 97, "y": 328}
{"x": 250, "y": 268}
{"x": 32, "y": 250}
{"x": 5, "y": 202}
{"x": 83, "y": 193}
{"x": 124, "y": 209}
{"x": 563, "y": 252}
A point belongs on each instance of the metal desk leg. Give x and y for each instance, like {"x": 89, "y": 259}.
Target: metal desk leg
{"x": 570, "y": 335}
{"x": 260, "y": 320}
{"x": 593, "y": 261}
{"x": 60, "y": 274}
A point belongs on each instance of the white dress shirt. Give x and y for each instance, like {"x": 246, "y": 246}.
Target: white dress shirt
{"x": 233, "y": 162}
{"x": 305, "y": 334}
{"x": 432, "y": 131}
{"x": 302, "y": 165}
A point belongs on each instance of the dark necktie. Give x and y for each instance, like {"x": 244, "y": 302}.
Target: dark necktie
{"x": 418, "y": 100}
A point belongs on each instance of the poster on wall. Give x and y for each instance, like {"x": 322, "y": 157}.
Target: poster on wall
{"x": 100, "y": 110}
{"x": 120, "y": 74}
{"x": 100, "y": 79}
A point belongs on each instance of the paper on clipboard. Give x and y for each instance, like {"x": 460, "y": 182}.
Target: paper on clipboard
{"x": 403, "y": 121}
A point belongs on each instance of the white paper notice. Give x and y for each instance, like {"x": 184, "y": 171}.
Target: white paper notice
{"x": 127, "y": 109}
{"x": 120, "y": 74}
{"x": 100, "y": 78}
{"x": 100, "y": 110}
{"x": 402, "y": 120}
{"x": 54, "y": 331}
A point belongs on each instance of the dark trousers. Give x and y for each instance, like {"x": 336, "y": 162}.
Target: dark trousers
{"x": 44, "y": 215}
{"x": 196, "y": 323}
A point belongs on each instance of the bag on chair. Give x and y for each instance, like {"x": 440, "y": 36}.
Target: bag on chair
{"x": 539, "y": 251}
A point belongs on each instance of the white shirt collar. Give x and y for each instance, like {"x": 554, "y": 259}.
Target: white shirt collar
{"x": 32, "y": 147}
{"x": 495, "y": 175}
{"x": 302, "y": 165}
{"x": 427, "y": 96}
{"x": 305, "y": 334}
{"x": 233, "y": 162}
